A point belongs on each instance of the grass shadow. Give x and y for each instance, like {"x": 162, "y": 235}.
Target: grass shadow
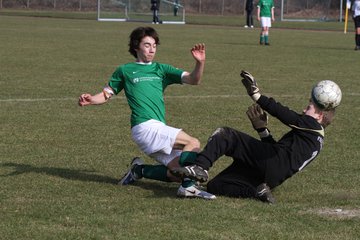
{"x": 159, "y": 189}
{"x": 67, "y": 173}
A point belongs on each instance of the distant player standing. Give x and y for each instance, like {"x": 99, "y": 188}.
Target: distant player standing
{"x": 155, "y": 7}
{"x": 249, "y": 7}
{"x": 144, "y": 83}
{"x": 356, "y": 16}
{"x": 265, "y": 14}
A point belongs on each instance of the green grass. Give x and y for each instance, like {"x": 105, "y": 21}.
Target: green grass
{"x": 59, "y": 162}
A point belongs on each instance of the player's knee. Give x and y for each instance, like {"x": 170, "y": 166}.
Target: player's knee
{"x": 194, "y": 143}
{"x": 221, "y": 132}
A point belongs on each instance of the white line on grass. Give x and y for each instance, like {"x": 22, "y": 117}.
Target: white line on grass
{"x": 116, "y": 97}
{"x": 168, "y": 97}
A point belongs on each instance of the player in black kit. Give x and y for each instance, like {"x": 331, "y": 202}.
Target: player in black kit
{"x": 260, "y": 166}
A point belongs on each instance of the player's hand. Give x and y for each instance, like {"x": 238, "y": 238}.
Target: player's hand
{"x": 257, "y": 116}
{"x": 198, "y": 52}
{"x": 250, "y": 84}
{"x": 84, "y": 99}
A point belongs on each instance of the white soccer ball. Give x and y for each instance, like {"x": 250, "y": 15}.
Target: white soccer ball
{"x": 326, "y": 95}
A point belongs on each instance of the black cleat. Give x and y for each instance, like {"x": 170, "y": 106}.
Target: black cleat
{"x": 263, "y": 193}
{"x": 194, "y": 172}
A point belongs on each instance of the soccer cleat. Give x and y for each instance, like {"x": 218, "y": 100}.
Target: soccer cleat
{"x": 263, "y": 193}
{"x": 193, "y": 172}
{"x": 267, "y": 44}
{"x": 130, "y": 176}
{"x": 194, "y": 192}
{"x": 357, "y": 48}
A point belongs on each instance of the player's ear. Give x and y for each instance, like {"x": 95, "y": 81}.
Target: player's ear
{"x": 319, "y": 114}
{"x": 327, "y": 117}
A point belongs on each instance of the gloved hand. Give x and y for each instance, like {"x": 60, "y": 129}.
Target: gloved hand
{"x": 250, "y": 84}
{"x": 257, "y": 116}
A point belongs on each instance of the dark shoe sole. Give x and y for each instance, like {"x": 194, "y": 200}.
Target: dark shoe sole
{"x": 183, "y": 173}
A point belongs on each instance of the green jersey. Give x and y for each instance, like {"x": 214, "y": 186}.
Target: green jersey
{"x": 265, "y": 7}
{"x": 144, "y": 86}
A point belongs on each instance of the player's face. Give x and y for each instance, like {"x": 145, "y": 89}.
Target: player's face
{"x": 147, "y": 50}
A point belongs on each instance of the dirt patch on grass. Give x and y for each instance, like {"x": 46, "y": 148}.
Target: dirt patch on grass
{"x": 337, "y": 213}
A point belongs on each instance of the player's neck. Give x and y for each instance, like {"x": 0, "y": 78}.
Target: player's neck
{"x": 143, "y": 63}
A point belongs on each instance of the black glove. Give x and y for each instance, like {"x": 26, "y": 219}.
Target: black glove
{"x": 258, "y": 118}
{"x": 250, "y": 84}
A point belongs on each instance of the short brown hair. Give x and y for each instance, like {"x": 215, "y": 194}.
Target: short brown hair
{"x": 138, "y": 34}
{"x": 328, "y": 117}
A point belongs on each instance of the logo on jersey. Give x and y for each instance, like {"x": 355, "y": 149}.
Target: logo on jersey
{"x": 145, "y": 79}
{"x": 135, "y": 80}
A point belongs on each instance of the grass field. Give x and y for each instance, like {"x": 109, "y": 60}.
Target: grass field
{"x": 59, "y": 163}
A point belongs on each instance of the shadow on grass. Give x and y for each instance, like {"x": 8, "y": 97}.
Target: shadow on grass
{"x": 159, "y": 189}
{"x": 74, "y": 174}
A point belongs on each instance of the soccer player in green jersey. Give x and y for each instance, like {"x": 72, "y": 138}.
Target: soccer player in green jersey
{"x": 265, "y": 14}
{"x": 144, "y": 82}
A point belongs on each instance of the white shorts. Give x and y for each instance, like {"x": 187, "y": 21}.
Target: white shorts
{"x": 265, "y": 21}
{"x": 156, "y": 140}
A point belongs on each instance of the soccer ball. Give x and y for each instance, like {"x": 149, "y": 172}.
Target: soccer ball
{"x": 326, "y": 94}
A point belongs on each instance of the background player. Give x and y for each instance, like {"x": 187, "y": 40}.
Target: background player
{"x": 356, "y": 16}
{"x": 265, "y": 14}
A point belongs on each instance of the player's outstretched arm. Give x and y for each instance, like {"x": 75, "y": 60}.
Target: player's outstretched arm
{"x": 250, "y": 84}
{"x": 88, "y": 99}
{"x": 199, "y": 54}
{"x": 258, "y": 118}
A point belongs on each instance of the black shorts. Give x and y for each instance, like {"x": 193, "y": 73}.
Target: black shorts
{"x": 357, "y": 21}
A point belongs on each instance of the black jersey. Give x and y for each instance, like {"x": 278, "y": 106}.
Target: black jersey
{"x": 297, "y": 148}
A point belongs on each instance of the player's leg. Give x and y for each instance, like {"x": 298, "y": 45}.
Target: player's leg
{"x": 190, "y": 147}
{"x": 155, "y": 139}
{"x": 266, "y": 36}
{"x": 170, "y": 147}
{"x": 357, "y": 32}
{"x": 247, "y": 19}
{"x": 218, "y": 144}
{"x": 139, "y": 170}
{"x": 239, "y": 181}
{"x": 251, "y": 19}
{"x": 232, "y": 182}
{"x": 262, "y": 33}
{"x": 267, "y": 25}
{"x": 154, "y": 16}
{"x": 229, "y": 142}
